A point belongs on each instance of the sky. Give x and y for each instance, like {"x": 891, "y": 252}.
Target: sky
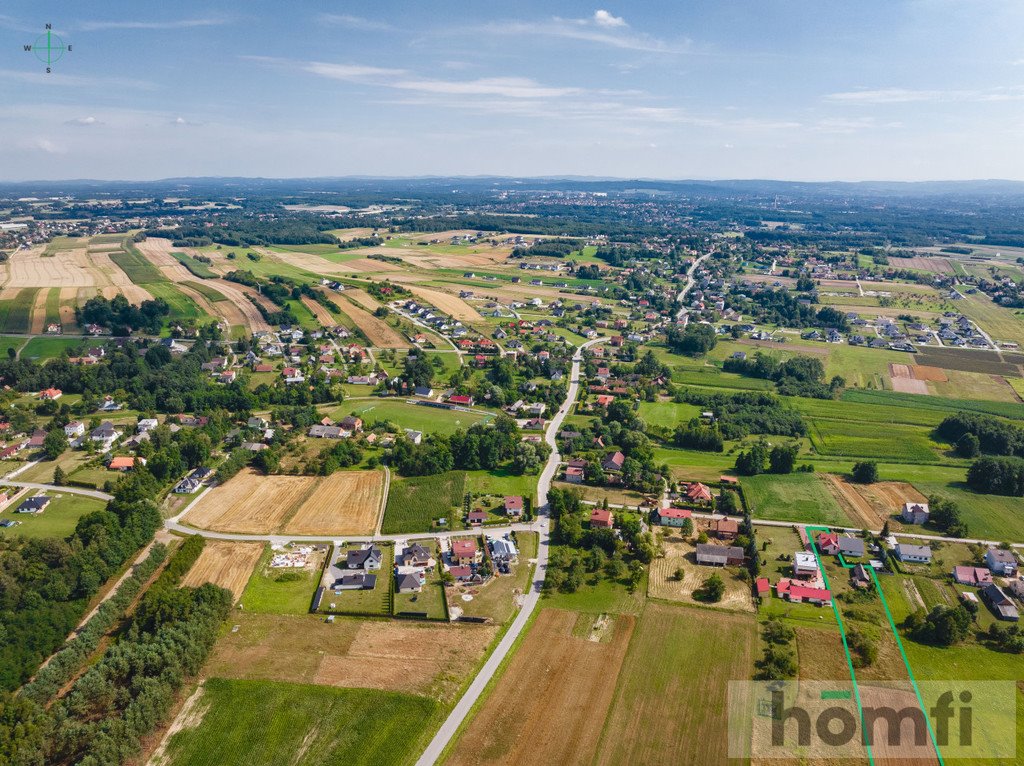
{"x": 783, "y": 89}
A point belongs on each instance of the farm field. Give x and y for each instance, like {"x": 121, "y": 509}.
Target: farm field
{"x": 250, "y": 503}
{"x": 262, "y": 723}
{"x": 896, "y": 443}
{"x": 802, "y": 497}
{"x": 677, "y": 656}
{"x": 667, "y": 414}
{"x": 432, "y": 659}
{"x": 377, "y": 331}
{"x": 344, "y": 503}
{"x": 19, "y": 312}
{"x": 872, "y": 505}
{"x": 550, "y": 703}
{"x": 990, "y": 517}
{"x": 225, "y": 563}
{"x": 415, "y": 503}
{"x": 894, "y": 399}
{"x": 999, "y": 322}
{"x": 58, "y": 519}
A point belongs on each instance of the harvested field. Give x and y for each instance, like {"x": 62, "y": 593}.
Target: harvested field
{"x": 550, "y": 704}
{"x": 344, "y": 503}
{"x": 157, "y": 251}
{"x": 909, "y": 385}
{"x": 225, "y": 563}
{"x": 676, "y": 674}
{"x": 420, "y": 658}
{"x": 363, "y": 298}
{"x": 323, "y": 316}
{"x": 37, "y": 314}
{"x": 449, "y": 304}
{"x": 871, "y": 505}
{"x": 237, "y": 296}
{"x": 66, "y": 268}
{"x": 378, "y": 332}
{"x": 924, "y": 372}
{"x": 250, "y": 503}
{"x": 681, "y": 554}
{"x": 112, "y": 280}
{"x": 926, "y": 263}
{"x": 68, "y": 299}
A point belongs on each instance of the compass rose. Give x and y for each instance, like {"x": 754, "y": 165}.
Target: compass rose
{"x": 49, "y": 48}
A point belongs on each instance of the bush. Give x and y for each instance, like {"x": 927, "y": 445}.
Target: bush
{"x": 865, "y": 472}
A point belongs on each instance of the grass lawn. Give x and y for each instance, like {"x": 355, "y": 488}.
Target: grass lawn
{"x": 694, "y": 465}
{"x": 429, "y": 601}
{"x": 59, "y": 518}
{"x": 279, "y": 591}
{"x": 414, "y": 416}
{"x": 794, "y": 497}
{"x": 97, "y": 476}
{"x": 49, "y": 348}
{"x": 600, "y": 596}
{"x": 7, "y": 342}
{"x": 500, "y": 482}
{"x": 415, "y": 503}
{"x": 990, "y": 517}
{"x": 364, "y": 601}
{"x": 265, "y": 723}
{"x": 495, "y": 600}
{"x": 43, "y": 470}
{"x": 668, "y": 414}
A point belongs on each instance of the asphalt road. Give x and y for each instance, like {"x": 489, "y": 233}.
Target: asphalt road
{"x": 490, "y": 667}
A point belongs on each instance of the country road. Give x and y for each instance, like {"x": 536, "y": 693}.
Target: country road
{"x": 490, "y": 667}
{"x": 689, "y": 284}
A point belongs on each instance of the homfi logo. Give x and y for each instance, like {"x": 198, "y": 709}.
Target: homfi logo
{"x": 877, "y": 720}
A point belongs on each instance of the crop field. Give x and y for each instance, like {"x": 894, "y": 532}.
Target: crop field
{"x": 799, "y": 497}
{"x": 225, "y": 563}
{"x": 378, "y": 332}
{"x": 64, "y": 268}
{"x": 896, "y": 443}
{"x": 549, "y": 706}
{"x": 133, "y": 263}
{"x": 197, "y": 268}
{"x": 990, "y": 517}
{"x": 672, "y": 675}
{"x": 418, "y": 417}
{"x": 1001, "y": 323}
{"x": 843, "y": 409}
{"x": 980, "y": 385}
{"x": 320, "y": 313}
{"x": 250, "y": 503}
{"x": 344, "y": 503}
{"x": 19, "y": 313}
{"x": 432, "y": 659}
{"x": 182, "y": 306}
{"x": 871, "y": 505}
{"x": 415, "y": 503}
{"x": 209, "y": 293}
{"x": 667, "y": 414}
{"x": 261, "y": 723}
{"x": 933, "y": 403}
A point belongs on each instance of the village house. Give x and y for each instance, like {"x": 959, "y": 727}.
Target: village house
{"x": 1001, "y": 562}
{"x": 915, "y": 513}
{"x": 513, "y": 506}
{"x": 408, "y": 582}
{"x": 805, "y": 565}
{"x": 369, "y": 558}
{"x": 74, "y": 429}
{"x": 697, "y": 493}
{"x": 574, "y": 475}
{"x": 355, "y": 581}
{"x": 1000, "y": 603}
{"x": 673, "y": 517}
{"x": 913, "y": 554}
{"x": 104, "y": 436}
{"x": 125, "y": 463}
{"x": 465, "y": 552}
{"x": 476, "y": 518}
{"x": 613, "y": 463}
{"x": 601, "y": 518}
{"x": 35, "y": 504}
{"x": 798, "y": 593}
{"x": 976, "y": 576}
{"x": 51, "y": 394}
{"x": 726, "y": 529}
{"x": 351, "y": 423}
{"x": 719, "y": 555}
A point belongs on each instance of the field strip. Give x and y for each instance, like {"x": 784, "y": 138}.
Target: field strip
{"x": 115, "y": 281}
{"x": 323, "y": 316}
{"x": 67, "y": 268}
{"x": 448, "y": 303}
{"x": 379, "y": 333}
{"x": 37, "y": 314}
{"x": 293, "y": 509}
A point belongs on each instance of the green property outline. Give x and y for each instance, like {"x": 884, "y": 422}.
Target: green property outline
{"x": 846, "y": 647}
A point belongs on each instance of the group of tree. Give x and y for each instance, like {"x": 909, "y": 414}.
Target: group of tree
{"x": 696, "y": 339}
{"x": 780, "y": 459}
{"x": 942, "y": 626}
{"x": 122, "y": 317}
{"x": 973, "y": 433}
{"x": 483, "y": 446}
{"x": 781, "y": 307}
{"x": 777, "y": 662}
{"x": 796, "y": 376}
{"x": 747, "y": 412}
{"x": 945, "y": 515}
{"x": 865, "y": 472}
{"x": 997, "y": 476}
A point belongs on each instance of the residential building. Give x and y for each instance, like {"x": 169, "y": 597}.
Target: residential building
{"x": 1000, "y": 603}
{"x": 976, "y": 576}
{"x": 513, "y": 505}
{"x": 601, "y": 518}
{"x": 726, "y": 529}
{"x": 805, "y": 564}
{"x": 1001, "y": 562}
{"x": 35, "y": 504}
{"x": 913, "y": 554}
{"x": 369, "y": 558}
{"x": 465, "y": 552}
{"x": 673, "y": 517}
{"x": 915, "y": 513}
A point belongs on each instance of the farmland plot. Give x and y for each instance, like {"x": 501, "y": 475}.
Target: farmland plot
{"x": 676, "y": 674}
{"x": 799, "y": 497}
{"x": 66, "y": 268}
{"x": 895, "y": 443}
{"x": 344, "y": 503}
{"x": 377, "y": 331}
{"x": 449, "y": 304}
{"x": 224, "y": 563}
{"x": 250, "y": 503}
{"x": 550, "y": 704}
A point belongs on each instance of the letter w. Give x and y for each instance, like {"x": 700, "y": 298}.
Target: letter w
{"x": 28, "y": 47}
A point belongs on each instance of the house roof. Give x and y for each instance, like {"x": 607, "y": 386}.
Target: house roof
{"x": 698, "y": 491}
{"x": 727, "y": 525}
{"x": 464, "y": 547}
{"x": 719, "y": 551}
{"x": 828, "y": 539}
{"x": 763, "y": 586}
{"x": 121, "y": 462}
{"x": 513, "y": 502}
{"x": 601, "y": 515}
{"x": 1002, "y": 556}
{"x": 803, "y": 591}
{"x": 675, "y": 513}
{"x": 913, "y": 550}
{"x": 408, "y": 581}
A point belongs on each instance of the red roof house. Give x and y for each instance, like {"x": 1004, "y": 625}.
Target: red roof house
{"x": 601, "y": 518}
{"x": 764, "y": 588}
{"x": 698, "y": 493}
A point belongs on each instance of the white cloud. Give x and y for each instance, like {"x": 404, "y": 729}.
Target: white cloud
{"x": 83, "y": 121}
{"x": 354, "y": 22}
{"x": 604, "y": 19}
{"x": 96, "y": 26}
{"x": 45, "y": 145}
{"x": 907, "y": 96}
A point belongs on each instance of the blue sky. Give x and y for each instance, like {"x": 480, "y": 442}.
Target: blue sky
{"x": 789, "y": 89}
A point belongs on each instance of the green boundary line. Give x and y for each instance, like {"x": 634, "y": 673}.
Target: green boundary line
{"x": 895, "y": 633}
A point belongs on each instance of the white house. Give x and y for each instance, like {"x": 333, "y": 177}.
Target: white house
{"x": 1001, "y": 562}
{"x": 805, "y": 564}
{"x": 146, "y": 424}
{"x": 74, "y": 429}
{"x": 915, "y": 513}
{"x": 914, "y": 554}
